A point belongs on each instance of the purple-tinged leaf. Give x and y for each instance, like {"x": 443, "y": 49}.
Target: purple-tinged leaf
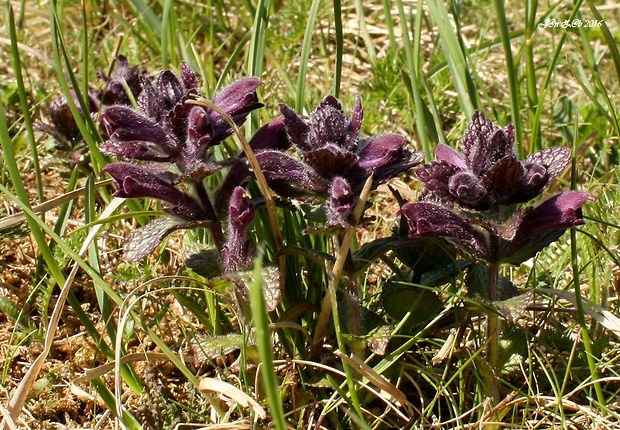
{"x": 327, "y": 124}
{"x": 432, "y": 220}
{"x": 554, "y": 160}
{"x": 383, "y": 151}
{"x": 532, "y": 229}
{"x": 189, "y": 77}
{"x": 270, "y": 136}
{"x": 330, "y": 160}
{"x": 355, "y": 126}
{"x": 504, "y": 179}
{"x": 449, "y": 155}
{"x": 133, "y": 182}
{"x": 285, "y": 174}
{"x": 136, "y": 136}
{"x": 296, "y": 128}
{"x": 239, "y": 98}
{"x": 200, "y": 169}
{"x": 485, "y": 144}
{"x": 144, "y": 240}
{"x": 170, "y": 90}
{"x": 436, "y": 176}
{"x": 560, "y": 212}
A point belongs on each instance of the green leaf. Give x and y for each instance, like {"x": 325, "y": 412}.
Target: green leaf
{"x": 400, "y": 299}
{"x": 213, "y": 347}
{"x": 203, "y": 259}
{"x": 476, "y": 282}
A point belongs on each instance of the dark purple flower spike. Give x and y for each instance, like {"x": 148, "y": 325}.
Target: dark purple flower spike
{"x": 485, "y": 176}
{"x": 487, "y": 173}
{"x": 63, "y": 125}
{"x": 335, "y": 162}
{"x": 124, "y": 74}
{"x": 171, "y": 139}
{"x": 237, "y": 255}
{"x": 169, "y": 129}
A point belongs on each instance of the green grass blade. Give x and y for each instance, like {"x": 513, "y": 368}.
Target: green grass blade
{"x": 264, "y": 343}
{"x": 148, "y": 21}
{"x": 23, "y": 99}
{"x": 303, "y": 57}
{"x": 581, "y": 315}
{"x": 166, "y": 31}
{"x": 85, "y": 123}
{"x": 256, "y": 55}
{"x": 548, "y": 79}
{"x": 339, "y": 47}
{"x": 411, "y": 78}
{"x": 530, "y": 67}
{"x": 511, "y": 71}
{"x": 455, "y": 57}
{"x": 612, "y": 43}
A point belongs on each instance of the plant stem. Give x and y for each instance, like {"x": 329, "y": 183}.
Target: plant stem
{"x": 493, "y": 330}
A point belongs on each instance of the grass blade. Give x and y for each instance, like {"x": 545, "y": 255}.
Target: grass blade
{"x": 511, "y": 71}
{"x": 264, "y": 343}
{"x": 303, "y": 57}
{"x": 455, "y": 57}
{"x": 23, "y": 99}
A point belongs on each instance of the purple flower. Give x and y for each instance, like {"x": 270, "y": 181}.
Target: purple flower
{"x": 487, "y": 173}
{"x": 340, "y": 204}
{"x": 335, "y": 162}
{"x": 172, "y": 140}
{"x": 331, "y": 146}
{"x": 137, "y": 136}
{"x": 169, "y": 129}
{"x": 63, "y": 126}
{"x": 532, "y": 229}
{"x": 518, "y": 239}
{"x": 114, "y": 91}
{"x": 237, "y": 255}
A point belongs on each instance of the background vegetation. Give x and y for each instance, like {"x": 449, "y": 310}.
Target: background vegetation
{"x": 421, "y": 68}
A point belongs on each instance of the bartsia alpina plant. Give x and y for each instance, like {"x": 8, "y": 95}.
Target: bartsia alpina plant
{"x": 169, "y": 142}
{"x": 473, "y": 203}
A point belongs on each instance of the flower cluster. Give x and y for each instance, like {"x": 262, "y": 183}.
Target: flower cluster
{"x": 480, "y": 189}
{"x": 334, "y": 161}
{"x": 64, "y": 128}
{"x": 169, "y": 142}
{"x": 473, "y": 197}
